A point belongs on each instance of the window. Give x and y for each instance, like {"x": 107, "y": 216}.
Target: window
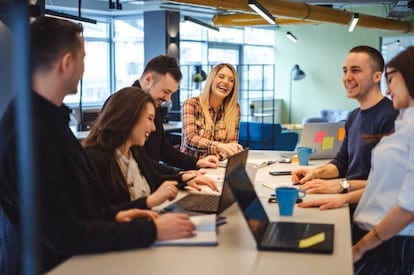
{"x": 94, "y": 86}
{"x": 250, "y": 50}
{"x": 129, "y": 49}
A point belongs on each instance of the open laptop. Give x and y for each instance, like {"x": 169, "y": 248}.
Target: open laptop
{"x": 212, "y": 203}
{"x": 277, "y": 236}
{"x": 325, "y": 137}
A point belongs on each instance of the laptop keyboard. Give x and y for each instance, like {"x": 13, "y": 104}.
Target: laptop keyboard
{"x": 197, "y": 203}
{"x": 285, "y": 233}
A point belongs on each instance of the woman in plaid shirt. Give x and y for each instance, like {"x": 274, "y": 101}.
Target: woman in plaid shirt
{"x": 211, "y": 120}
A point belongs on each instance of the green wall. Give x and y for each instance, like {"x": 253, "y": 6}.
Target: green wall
{"x": 320, "y": 52}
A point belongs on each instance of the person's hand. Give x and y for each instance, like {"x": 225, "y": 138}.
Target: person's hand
{"x": 203, "y": 180}
{"x": 229, "y": 149}
{"x": 302, "y": 175}
{"x": 173, "y": 226}
{"x": 327, "y": 203}
{"x": 318, "y": 186}
{"x": 166, "y": 191}
{"x": 357, "y": 253}
{"x": 210, "y": 161}
{"x": 132, "y": 214}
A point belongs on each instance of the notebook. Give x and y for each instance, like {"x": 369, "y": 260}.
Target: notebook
{"x": 277, "y": 236}
{"x": 211, "y": 203}
{"x": 204, "y": 235}
{"x": 325, "y": 137}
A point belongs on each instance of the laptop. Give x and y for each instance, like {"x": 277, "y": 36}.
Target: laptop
{"x": 325, "y": 137}
{"x": 212, "y": 203}
{"x": 277, "y": 236}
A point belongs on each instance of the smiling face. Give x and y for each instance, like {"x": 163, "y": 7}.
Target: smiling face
{"x": 159, "y": 87}
{"x": 143, "y": 127}
{"x": 359, "y": 78}
{"x": 397, "y": 89}
{"x": 223, "y": 83}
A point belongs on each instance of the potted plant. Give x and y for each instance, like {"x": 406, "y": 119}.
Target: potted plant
{"x": 198, "y": 76}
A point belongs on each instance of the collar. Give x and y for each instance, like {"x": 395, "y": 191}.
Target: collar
{"x": 57, "y": 116}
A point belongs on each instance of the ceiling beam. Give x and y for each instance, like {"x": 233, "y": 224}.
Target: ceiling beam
{"x": 240, "y": 19}
{"x": 303, "y": 11}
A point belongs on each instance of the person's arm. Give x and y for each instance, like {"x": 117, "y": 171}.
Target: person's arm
{"x": 396, "y": 220}
{"x": 334, "y": 202}
{"x": 326, "y": 171}
{"x": 319, "y": 186}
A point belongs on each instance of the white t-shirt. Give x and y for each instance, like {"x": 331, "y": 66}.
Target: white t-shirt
{"x": 391, "y": 179}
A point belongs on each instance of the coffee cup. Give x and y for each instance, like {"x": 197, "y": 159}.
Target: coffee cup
{"x": 304, "y": 154}
{"x": 286, "y": 199}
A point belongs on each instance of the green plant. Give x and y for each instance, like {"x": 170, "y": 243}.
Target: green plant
{"x": 197, "y": 77}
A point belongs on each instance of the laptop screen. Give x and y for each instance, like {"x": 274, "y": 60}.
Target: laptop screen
{"x": 325, "y": 138}
{"x": 248, "y": 201}
{"x": 233, "y": 161}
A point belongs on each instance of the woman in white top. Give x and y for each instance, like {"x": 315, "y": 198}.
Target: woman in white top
{"x": 383, "y": 230}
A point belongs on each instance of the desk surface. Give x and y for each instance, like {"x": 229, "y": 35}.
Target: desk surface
{"x": 236, "y": 251}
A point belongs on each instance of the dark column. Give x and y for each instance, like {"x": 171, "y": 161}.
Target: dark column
{"x": 162, "y": 36}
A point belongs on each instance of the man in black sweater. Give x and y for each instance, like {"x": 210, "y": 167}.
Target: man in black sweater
{"x": 160, "y": 79}
{"x": 73, "y": 204}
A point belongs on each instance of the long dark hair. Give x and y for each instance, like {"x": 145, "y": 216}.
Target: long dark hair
{"x": 116, "y": 120}
{"x": 404, "y": 63}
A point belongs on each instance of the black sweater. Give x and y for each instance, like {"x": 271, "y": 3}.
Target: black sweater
{"x": 114, "y": 181}
{"x": 75, "y": 218}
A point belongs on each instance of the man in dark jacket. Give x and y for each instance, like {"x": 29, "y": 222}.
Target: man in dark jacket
{"x": 160, "y": 79}
{"x": 74, "y": 214}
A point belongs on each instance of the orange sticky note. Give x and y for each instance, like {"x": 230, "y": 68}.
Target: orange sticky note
{"x": 341, "y": 134}
{"x": 328, "y": 143}
{"x": 319, "y": 136}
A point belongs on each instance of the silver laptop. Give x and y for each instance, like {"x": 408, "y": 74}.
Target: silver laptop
{"x": 277, "y": 236}
{"x": 325, "y": 137}
{"x": 212, "y": 203}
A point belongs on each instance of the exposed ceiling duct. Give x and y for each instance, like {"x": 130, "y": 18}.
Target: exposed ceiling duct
{"x": 301, "y": 12}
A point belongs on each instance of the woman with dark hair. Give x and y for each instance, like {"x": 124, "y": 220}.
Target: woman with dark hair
{"x": 384, "y": 218}
{"x": 115, "y": 143}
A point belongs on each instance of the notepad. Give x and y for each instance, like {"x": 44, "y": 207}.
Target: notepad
{"x": 204, "y": 235}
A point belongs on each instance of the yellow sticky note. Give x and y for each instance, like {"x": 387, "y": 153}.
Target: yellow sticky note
{"x": 313, "y": 240}
{"x": 328, "y": 143}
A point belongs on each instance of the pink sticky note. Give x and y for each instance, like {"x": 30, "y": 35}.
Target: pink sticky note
{"x": 319, "y": 136}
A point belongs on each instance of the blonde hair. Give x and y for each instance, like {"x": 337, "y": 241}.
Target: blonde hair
{"x": 229, "y": 103}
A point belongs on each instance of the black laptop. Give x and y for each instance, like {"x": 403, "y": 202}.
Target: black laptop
{"x": 212, "y": 203}
{"x": 277, "y": 236}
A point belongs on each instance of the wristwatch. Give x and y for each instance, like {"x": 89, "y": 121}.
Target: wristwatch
{"x": 345, "y": 185}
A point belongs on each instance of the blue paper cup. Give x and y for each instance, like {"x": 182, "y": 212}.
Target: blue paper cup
{"x": 304, "y": 154}
{"x": 286, "y": 199}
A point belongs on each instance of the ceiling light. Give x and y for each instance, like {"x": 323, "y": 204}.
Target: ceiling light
{"x": 353, "y": 22}
{"x": 291, "y": 37}
{"x": 257, "y": 7}
{"x": 201, "y": 23}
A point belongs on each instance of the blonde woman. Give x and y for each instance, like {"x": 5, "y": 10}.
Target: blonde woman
{"x": 211, "y": 120}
